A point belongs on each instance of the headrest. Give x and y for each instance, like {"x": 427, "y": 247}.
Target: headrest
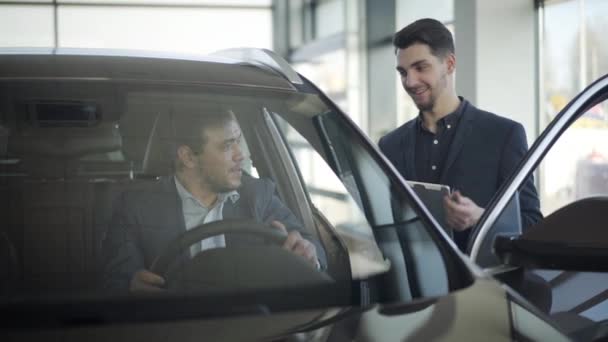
{"x": 159, "y": 155}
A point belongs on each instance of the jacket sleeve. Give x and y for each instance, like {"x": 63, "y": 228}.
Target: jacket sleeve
{"x": 382, "y": 144}
{"x": 121, "y": 253}
{"x": 514, "y": 150}
{"x": 274, "y": 209}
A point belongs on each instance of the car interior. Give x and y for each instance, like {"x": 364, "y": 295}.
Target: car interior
{"x": 57, "y": 192}
{"x": 70, "y": 148}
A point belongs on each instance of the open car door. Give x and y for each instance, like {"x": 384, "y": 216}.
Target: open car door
{"x": 560, "y": 263}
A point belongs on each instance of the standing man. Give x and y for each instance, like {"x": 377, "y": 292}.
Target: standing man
{"x": 451, "y": 141}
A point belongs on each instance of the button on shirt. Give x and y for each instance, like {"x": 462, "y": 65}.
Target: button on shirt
{"x": 432, "y": 149}
{"x": 195, "y": 214}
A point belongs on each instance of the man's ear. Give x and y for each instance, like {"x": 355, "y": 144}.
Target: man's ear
{"x": 450, "y": 61}
{"x": 185, "y": 156}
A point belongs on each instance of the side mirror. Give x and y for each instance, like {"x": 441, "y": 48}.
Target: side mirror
{"x": 573, "y": 238}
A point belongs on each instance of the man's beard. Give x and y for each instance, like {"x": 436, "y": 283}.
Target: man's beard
{"x": 221, "y": 187}
{"x": 218, "y": 186}
{"x": 426, "y": 107}
{"x": 434, "y": 91}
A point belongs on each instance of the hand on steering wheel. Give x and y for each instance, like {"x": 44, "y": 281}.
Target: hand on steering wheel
{"x": 241, "y": 267}
{"x": 298, "y": 245}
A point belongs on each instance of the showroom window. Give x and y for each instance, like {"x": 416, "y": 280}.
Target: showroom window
{"x": 573, "y": 55}
{"x": 318, "y": 46}
{"x": 184, "y": 26}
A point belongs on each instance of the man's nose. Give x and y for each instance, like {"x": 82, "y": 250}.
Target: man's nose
{"x": 410, "y": 81}
{"x": 237, "y": 153}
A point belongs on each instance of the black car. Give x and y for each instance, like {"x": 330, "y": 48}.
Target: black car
{"x": 82, "y": 129}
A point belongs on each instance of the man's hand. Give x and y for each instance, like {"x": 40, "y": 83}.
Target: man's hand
{"x": 144, "y": 281}
{"x": 298, "y": 245}
{"x": 461, "y": 212}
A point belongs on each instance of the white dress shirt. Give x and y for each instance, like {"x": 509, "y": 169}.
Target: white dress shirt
{"x": 195, "y": 214}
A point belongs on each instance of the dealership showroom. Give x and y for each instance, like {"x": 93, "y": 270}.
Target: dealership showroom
{"x": 414, "y": 170}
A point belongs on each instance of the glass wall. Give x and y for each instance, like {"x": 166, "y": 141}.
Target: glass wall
{"x": 26, "y": 24}
{"x": 345, "y": 47}
{"x": 412, "y": 10}
{"x": 574, "y": 54}
{"x": 328, "y": 72}
{"x": 318, "y": 50}
{"x": 318, "y": 45}
{"x": 184, "y": 26}
{"x": 329, "y": 18}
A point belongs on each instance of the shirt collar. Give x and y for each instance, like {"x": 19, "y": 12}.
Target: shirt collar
{"x": 450, "y": 119}
{"x": 186, "y": 195}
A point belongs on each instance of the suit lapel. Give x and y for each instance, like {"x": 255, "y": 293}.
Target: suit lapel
{"x": 173, "y": 204}
{"x": 234, "y": 211}
{"x": 230, "y": 212}
{"x": 463, "y": 131}
{"x": 409, "y": 148}
{"x": 242, "y": 209}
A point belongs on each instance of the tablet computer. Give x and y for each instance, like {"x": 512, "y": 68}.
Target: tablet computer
{"x": 432, "y": 196}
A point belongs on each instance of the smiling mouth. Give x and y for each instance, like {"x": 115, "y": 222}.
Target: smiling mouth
{"x": 418, "y": 92}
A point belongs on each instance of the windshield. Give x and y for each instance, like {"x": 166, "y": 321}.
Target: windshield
{"x": 117, "y": 189}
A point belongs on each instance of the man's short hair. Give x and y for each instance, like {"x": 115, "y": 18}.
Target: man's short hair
{"x": 426, "y": 31}
{"x": 189, "y": 129}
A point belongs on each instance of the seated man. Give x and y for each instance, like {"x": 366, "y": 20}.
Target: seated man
{"x": 208, "y": 185}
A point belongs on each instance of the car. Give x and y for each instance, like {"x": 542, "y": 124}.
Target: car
{"x": 83, "y": 129}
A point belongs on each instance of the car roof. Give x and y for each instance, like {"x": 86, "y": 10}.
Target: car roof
{"x": 236, "y": 67}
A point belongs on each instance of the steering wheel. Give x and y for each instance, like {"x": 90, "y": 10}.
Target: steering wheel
{"x": 234, "y": 267}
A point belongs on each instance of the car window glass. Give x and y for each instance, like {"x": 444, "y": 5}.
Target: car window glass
{"x": 403, "y": 238}
{"x": 575, "y": 168}
{"x": 90, "y": 195}
{"x": 330, "y": 196}
{"x": 89, "y": 185}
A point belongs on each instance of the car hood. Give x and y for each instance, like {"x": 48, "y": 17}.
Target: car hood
{"x": 484, "y": 311}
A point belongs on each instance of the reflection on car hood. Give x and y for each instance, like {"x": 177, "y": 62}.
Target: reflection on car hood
{"x": 484, "y": 312}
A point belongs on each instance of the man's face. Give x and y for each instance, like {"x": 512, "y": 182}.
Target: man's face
{"x": 424, "y": 76}
{"x": 218, "y": 165}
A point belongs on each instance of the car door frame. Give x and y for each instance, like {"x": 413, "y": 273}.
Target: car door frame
{"x": 595, "y": 93}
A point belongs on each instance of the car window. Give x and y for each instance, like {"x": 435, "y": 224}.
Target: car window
{"x": 331, "y": 198}
{"x": 100, "y": 180}
{"x": 407, "y": 244}
{"x": 575, "y": 168}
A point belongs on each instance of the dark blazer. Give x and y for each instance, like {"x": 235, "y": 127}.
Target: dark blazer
{"x": 149, "y": 216}
{"x": 485, "y": 151}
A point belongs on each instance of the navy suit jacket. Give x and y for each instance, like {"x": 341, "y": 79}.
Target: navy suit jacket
{"x": 149, "y": 216}
{"x": 485, "y": 151}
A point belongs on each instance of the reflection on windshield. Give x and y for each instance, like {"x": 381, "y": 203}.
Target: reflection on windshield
{"x": 161, "y": 192}
{"x": 177, "y": 190}
{"x": 330, "y": 196}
